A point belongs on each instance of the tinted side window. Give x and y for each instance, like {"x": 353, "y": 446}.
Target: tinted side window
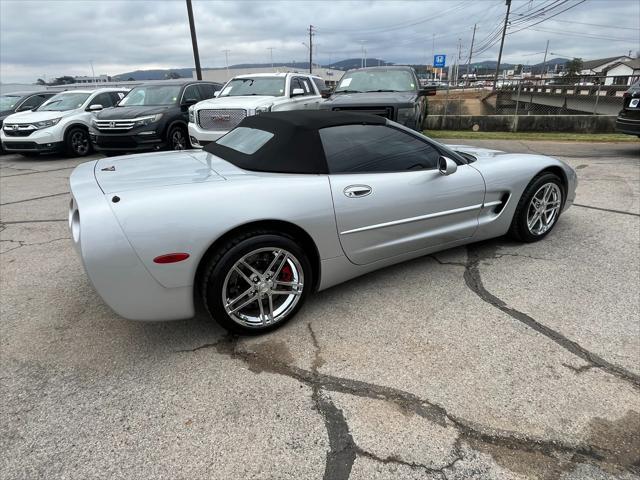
{"x": 320, "y": 84}
{"x": 191, "y": 92}
{"x": 206, "y": 90}
{"x": 296, "y": 83}
{"x": 33, "y": 101}
{"x": 104, "y": 99}
{"x": 375, "y": 148}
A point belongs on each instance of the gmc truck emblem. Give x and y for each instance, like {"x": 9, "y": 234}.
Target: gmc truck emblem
{"x": 221, "y": 118}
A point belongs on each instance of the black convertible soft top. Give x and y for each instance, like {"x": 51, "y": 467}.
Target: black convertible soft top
{"x": 295, "y": 146}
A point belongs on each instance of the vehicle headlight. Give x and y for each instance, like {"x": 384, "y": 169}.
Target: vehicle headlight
{"x": 47, "y": 123}
{"x": 147, "y": 120}
{"x": 405, "y": 114}
{"x": 192, "y": 115}
{"x": 264, "y": 109}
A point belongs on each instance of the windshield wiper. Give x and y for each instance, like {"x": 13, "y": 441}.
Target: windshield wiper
{"x": 349, "y": 91}
{"x": 370, "y": 91}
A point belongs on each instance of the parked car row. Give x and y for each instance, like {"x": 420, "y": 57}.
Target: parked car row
{"x": 189, "y": 113}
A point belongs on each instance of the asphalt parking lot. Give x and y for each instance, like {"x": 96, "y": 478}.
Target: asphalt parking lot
{"x": 495, "y": 361}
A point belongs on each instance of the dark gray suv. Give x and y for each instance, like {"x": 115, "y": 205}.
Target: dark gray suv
{"x": 391, "y": 92}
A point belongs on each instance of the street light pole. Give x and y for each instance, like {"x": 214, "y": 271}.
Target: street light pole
{"x": 226, "y": 61}
{"x": 271, "y": 56}
{"x": 504, "y": 32}
{"x": 194, "y": 40}
{"x": 310, "y": 48}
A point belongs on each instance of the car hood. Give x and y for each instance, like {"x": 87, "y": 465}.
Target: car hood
{"x": 150, "y": 170}
{"x": 369, "y": 99}
{"x": 124, "y": 113}
{"x": 247, "y": 102}
{"x": 31, "y": 117}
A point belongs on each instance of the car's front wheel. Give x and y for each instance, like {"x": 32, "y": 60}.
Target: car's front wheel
{"x": 539, "y": 208}
{"x": 77, "y": 141}
{"x": 256, "y": 282}
{"x": 178, "y": 138}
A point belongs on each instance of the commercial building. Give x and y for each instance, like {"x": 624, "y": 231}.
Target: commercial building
{"x": 222, "y": 75}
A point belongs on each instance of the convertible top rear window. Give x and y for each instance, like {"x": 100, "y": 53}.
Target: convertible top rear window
{"x": 294, "y": 145}
{"x": 245, "y": 140}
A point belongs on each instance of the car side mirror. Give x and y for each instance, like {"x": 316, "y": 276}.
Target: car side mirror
{"x": 95, "y": 107}
{"x": 296, "y": 92}
{"x": 427, "y": 92}
{"x": 216, "y": 93}
{"x": 447, "y": 166}
{"x": 325, "y": 93}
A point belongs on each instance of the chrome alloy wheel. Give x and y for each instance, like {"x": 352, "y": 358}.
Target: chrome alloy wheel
{"x": 262, "y": 287}
{"x": 544, "y": 208}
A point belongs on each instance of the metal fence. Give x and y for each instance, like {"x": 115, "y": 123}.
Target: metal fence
{"x": 586, "y": 96}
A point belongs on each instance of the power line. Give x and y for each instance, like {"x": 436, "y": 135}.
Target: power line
{"x": 579, "y": 34}
{"x": 616, "y": 27}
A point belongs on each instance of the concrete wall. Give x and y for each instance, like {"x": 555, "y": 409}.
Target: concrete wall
{"x": 524, "y": 123}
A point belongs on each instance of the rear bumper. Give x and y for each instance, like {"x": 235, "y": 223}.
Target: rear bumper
{"x": 112, "y": 265}
{"x": 200, "y": 137}
{"x": 628, "y": 126}
{"x": 130, "y": 142}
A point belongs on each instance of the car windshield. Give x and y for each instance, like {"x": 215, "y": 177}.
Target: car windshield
{"x": 151, "y": 95}
{"x": 64, "y": 101}
{"x": 7, "y": 102}
{"x": 270, "y": 86}
{"x": 377, "y": 81}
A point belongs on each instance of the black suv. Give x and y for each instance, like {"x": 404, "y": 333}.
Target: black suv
{"x": 392, "y": 92}
{"x": 628, "y": 120}
{"x": 152, "y": 116}
{"x": 14, "y": 102}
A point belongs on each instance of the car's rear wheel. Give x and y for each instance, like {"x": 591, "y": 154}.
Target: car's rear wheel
{"x": 77, "y": 141}
{"x": 538, "y": 209}
{"x": 178, "y": 138}
{"x": 256, "y": 282}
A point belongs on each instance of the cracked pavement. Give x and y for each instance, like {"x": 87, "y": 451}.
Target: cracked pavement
{"x": 498, "y": 360}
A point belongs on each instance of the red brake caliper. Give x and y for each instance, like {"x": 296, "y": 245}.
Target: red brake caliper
{"x": 286, "y": 274}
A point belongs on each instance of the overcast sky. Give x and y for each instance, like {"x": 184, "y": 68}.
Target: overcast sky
{"x": 54, "y": 38}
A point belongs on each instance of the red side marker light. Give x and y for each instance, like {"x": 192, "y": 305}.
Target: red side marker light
{"x": 171, "y": 258}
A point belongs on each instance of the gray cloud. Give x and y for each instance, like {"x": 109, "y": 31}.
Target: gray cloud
{"x": 61, "y": 37}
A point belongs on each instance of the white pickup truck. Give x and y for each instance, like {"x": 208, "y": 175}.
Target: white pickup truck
{"x": 247, "y": 95}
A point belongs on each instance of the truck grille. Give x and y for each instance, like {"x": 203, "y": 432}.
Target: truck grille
{"x": 114, "y": 124}
{"x": 220, "y": 119}
{"x": 386, "y": 112}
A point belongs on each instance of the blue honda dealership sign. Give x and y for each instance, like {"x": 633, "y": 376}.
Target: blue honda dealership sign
{"x": 439, "y": 61}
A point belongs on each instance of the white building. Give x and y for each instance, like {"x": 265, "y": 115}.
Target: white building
{"x": 222, "y": 75}
{"x": 623, "y": 73}
{"x": 98, "y": 79}
{"x": 596, "y": 67}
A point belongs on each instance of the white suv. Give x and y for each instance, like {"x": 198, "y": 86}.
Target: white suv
{"x": 59, "y": 124}
{"x": 247, "y": 95}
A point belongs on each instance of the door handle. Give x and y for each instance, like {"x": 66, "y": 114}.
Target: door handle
{"x": 355, "y": 191}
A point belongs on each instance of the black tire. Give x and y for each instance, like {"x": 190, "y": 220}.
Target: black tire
{"x": 177, "y": 138}
{"x": 77, "y": 142}
{"x": 519, "y": 229}
{"x": 223, "y": 260}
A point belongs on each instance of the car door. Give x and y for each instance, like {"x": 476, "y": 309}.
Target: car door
{"x": 296, "y": 102}
{"x": 389, "y": 196}
{"x": 312, "y": 97}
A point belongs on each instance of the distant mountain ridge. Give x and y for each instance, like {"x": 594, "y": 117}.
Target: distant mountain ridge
{"x": 161, "y": 74}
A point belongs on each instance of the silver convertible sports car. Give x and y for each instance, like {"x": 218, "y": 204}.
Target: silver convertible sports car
{"x": 290, "y": 203}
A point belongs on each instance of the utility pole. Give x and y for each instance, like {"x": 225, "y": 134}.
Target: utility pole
{"x": 504, "y": 32}
{"x": 544, "y": 62}
{"x": 93, "y": 73}
{"x": 473, "y": 38}
{"x": 194, "y": 40}
{"x": 226, "y": 61}
{"x": 458, "y": 59}
{"x": 311, "y": 48}
{"x": 271, "y": 56}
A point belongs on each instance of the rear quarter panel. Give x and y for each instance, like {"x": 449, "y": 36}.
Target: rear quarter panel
{"x": 189, "y": 218}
